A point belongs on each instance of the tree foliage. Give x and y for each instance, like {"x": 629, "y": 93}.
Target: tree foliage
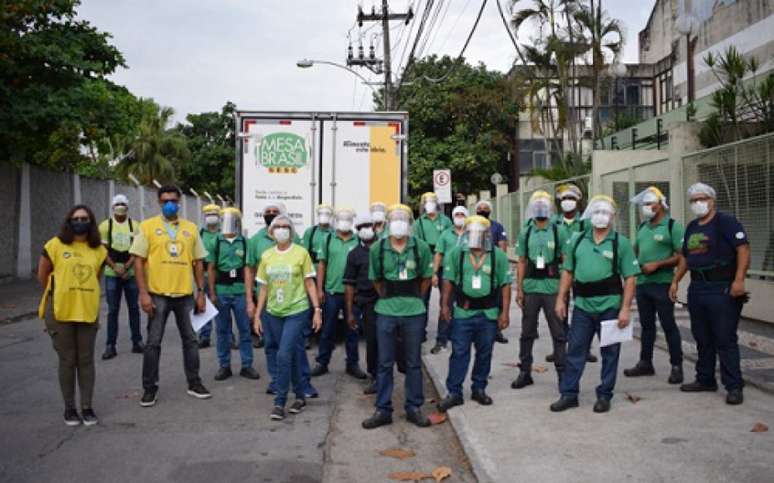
{"x": 56, "y": 105}
{"x": 465, "y": 123}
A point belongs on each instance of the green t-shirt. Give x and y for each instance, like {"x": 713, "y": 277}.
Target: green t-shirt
{"x": 231, "y": 256}
{"x": 334, "y": 253}
{"x": 542, "y": 243}
{"x": 429, "y": 230}
{"x": 595, "y": 264}
{"x": 501, "y": 276}
{"x": 122, "y": 239}
{"x": 208, "y": 238}
{"x": 449, "y": 240}
{"x": 394, "y": 263}
{"x": 654, "y": 243}
{"x": 571, "y": 227}
{"x": 313, "y": 245}
{"x": 284, "y": 274}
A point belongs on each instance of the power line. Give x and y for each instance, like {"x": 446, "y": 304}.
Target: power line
{"x": 510, "y": 34}
{"x": 454, "y": 25}
{"x": 440, "y": 22}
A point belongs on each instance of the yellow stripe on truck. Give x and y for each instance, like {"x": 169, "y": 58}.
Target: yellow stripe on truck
{"x": 385, "y": 166}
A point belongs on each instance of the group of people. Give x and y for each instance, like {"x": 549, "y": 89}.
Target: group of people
{"x": 373, "y": 272}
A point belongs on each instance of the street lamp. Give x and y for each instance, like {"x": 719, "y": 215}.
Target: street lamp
{"x": 686, "y": 25}
{"x": 307, "y": 63}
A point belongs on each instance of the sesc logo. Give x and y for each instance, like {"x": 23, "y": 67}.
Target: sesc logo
{"x": 283, "y": 152}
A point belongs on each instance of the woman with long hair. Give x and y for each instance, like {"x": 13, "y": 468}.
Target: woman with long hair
{"x": 69, "y": 270}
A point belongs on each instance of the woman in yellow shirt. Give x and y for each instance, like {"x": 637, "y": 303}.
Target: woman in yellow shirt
{"x": 69, "y": 269}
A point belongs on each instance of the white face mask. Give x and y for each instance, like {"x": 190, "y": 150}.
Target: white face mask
{"x": 647, "y": 212}
{"x": 344, "y": 225}
{"x": 212, "y": 219}
{"x": 378, "y": 216}
{"x": 431, "y": 206}
{"x": 700, "y": 208}
{"x": 324, "y": 218}
{"x": 366, "y": 233}
{"x": 282, "y": 234}
{"x": 120, "y": 210}
{"x": 399, "y": 228}
{"x": 459, "y": 221}
{"x": 568, "y": 205}
{"x": 600, "y": 219}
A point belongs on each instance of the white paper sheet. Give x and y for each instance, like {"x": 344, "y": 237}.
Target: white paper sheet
{"x": 610, "y": 333}
{"x": 198, "y": 320}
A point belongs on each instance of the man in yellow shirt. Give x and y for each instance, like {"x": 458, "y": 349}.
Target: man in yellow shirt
{"x": 168, "y": 255}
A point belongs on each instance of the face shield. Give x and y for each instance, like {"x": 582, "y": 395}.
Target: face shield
{"x": 478, "y": 234}
{"x": 324, "y": 214}
{"x": 378, "y": 212}
{"x": 429, "y": 204}
{"x": 231, "y": 222}
{"x": 211, "y": 215}
{"x": 540, "y": 206}
{"x": 650, "y": 200}
{"x": 400, "y": 219}
{"x": 600, "y": 212}
{"x": 459, "y": 214}
{"x": 345, "y": 219}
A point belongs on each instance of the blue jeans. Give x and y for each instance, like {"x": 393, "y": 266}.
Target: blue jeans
{"x": 582, "y": 329}
{"x": 206, "y": 330}
{"x": 412, "y": 328}
{"x": 271, "y": 346}
{"x": 238, "y": 305}
{"x": 481, "y": 332}
{"x": 333, "y": 304}
{"x": 114, "y": 287}
{"x": 286, "y": 332}
{"x": 652, "y": 299}
{"x": 714, "y": 320}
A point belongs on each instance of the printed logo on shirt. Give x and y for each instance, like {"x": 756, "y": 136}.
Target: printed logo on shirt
{"x": 82, "y": 273}
{"x": 66, "y": 255}
{"x": 698, "y": 243}
{"x": 239, "y": 252}
{"x": 186, "y": 233}
{"x": 411, "y": 264}
{"x": 487, "y": 269}
{"x": 607, "y": 254}
{"x": 740, "y": 235}
{"x": 158, "y": 232}
{"x": 279, "y": 273}
{"x": 658, "y": 237}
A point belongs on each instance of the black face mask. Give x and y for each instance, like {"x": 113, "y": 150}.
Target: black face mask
{"x": 485, "y": 214}
{"x": 80, "y": 227}
{"x": 268, "y": 219}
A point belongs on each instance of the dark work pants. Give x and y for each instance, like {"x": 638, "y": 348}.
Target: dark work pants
{"x": 366, "y": 313}
{"x": 115, "y": 287}
{"x": 533, "y": 304}
{"x": 714, "y": 321}
{"x": 652, "y": 299}
{"x": 181, "y": 307}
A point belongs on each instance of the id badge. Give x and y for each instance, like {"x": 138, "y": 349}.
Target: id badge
{"x": 403, "y": 274}
{"x": 232, "y": 273}
{"x": 475, "y": 282}
{"x": 540, "y": 263}
{"x": 173, "y": 250}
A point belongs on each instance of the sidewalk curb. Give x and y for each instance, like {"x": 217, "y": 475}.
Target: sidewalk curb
{"x": 18, "y": 318}
{"x": 483, "y": 467}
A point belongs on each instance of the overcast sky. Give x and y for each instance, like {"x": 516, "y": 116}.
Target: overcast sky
{"x": 195, "y": 55}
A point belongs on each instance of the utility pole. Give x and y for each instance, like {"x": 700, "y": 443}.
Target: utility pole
{"x": 384, "y": 17}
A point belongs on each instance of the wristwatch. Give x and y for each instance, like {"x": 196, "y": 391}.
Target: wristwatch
{"x": 318, "y": 308}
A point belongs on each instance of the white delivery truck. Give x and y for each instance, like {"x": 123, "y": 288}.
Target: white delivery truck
{"x": 305, "y": 158}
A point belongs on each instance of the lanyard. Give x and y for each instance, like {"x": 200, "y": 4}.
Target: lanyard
{"x": 172, "y": 232}
{"x": 481, "y": 261}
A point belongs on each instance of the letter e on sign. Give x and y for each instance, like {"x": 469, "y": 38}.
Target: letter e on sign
{"x": 442, "y": 185}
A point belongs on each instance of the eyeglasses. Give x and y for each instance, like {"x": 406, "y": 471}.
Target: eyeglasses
{"x": 287, "y": 227}
{"x": 81, "y": 219}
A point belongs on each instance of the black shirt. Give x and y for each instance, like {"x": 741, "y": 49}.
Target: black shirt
{"x": 356, "y": 273}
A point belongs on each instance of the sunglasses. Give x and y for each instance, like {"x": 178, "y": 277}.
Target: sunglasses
{"x": 81, "y": 219}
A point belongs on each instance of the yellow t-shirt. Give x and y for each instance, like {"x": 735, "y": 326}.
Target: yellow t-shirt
{"x": 169, "y": 250}
{"x": 74, "y": 281}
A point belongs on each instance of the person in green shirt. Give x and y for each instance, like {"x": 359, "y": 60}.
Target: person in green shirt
{"x": 286, "y": 277}
{"x": 595, "y": 261}
{"x": 539, "y": 248}
{"x": 658, "y": 245}
{"x": 333, "y": 251}
{"x": 379, "y": 216}
{"x": 475, "y": 273}
{"x": 449, "y": 239}
{"x": 256, "y": 246}
{"x": 117, "y": 233}
{"x": 226, "y": 267}
{"x": 316, "y": 233}
{"x": 401, "y": 267}
{"x": 208, "y": 233}
{"x": 428, "y": 228}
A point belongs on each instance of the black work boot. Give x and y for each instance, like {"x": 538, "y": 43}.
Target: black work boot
{"x": 642, "y": 368}
{"x": 676, "y": 376}
{"x": 523, "y": 380}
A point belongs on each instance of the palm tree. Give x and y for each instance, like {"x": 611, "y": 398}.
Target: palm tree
{"x": 155, "y": 151}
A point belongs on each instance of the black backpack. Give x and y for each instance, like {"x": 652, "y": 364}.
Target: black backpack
{"x": 115, "y": 255}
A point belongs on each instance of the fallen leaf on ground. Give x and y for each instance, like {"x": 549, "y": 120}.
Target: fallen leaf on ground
{"x": 441, "y": 472}
{"x": 539, "y": 369}
{"x": 633, "y": 397}
{"x": 409, "y": 476}
{"x": 511, "y": 364}
{"x": 759, "y": 428}
{"x": 9, "y": 306}
{"x": 437, "y": 417}
{"x": 753, "y": 343}
{"x": 129, "y": 395}
{"x": 399, "y": 453}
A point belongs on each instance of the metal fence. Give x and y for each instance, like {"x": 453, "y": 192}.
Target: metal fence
{"x": 742, "y": 173}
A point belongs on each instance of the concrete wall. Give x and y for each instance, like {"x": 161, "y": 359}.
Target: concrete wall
{"x": 35, "y": 202}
